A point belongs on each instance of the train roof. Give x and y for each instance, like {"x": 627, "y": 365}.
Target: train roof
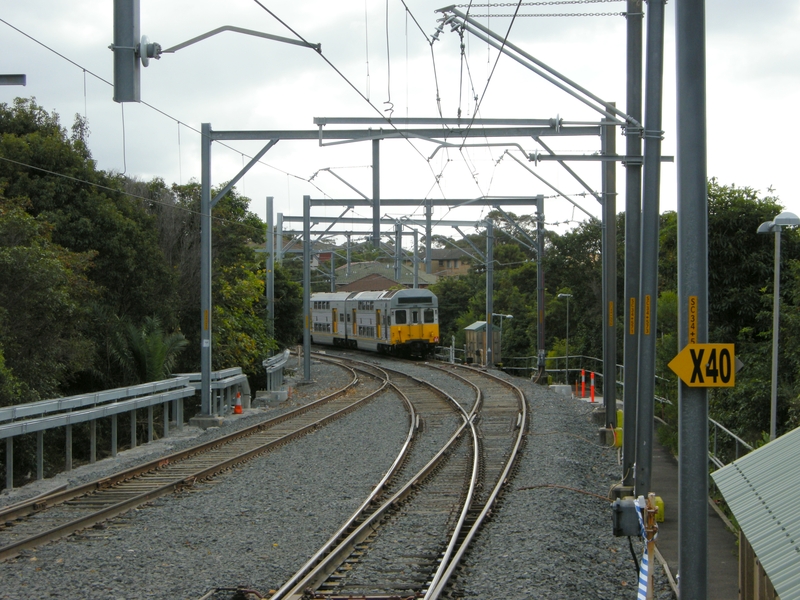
{"x": 397, "y": 293}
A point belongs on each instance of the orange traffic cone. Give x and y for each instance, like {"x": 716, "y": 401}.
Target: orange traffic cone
{"x": 237, "y": 408}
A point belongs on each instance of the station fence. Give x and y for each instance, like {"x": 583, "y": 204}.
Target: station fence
{"x": 724, "y": 445}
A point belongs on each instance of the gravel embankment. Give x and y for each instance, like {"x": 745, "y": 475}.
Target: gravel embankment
{"x": 254, "y": 526}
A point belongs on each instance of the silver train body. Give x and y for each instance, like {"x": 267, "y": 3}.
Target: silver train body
{"x": 402, "y": 322}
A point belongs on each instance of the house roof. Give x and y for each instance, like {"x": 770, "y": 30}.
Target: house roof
{"x": 476, "y": 326}
{"x": 361, "y": 270}
{"x": 761, "y": 489}
{"x": 369, "y": 283}
{"x": 449, "y": 254}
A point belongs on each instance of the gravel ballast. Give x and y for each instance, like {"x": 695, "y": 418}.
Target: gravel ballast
{"x": 257, "y": 524}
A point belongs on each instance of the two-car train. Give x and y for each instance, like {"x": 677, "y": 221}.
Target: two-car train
{"x": 401, "y": 322}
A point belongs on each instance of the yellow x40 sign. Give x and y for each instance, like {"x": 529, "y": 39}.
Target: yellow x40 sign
{"x": 706, "y": 365}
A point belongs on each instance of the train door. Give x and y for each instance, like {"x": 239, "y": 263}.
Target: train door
{"x": 334, "y": 317}
{"x": 399, "y": 336}
{"x": 378, "y": 323}
{"x": 415, "y": 319}
{"x": 355, "y": 325}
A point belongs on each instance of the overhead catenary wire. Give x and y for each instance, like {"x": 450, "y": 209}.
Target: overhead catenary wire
{"x": 144, "y": 103}
{"x": 107, "y": 188}
{"x": 349, "y": 83}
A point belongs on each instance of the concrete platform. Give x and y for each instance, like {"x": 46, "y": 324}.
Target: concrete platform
{"x": 723, "y": 553}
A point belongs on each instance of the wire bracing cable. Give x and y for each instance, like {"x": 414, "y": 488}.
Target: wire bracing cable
{"x": 144, "y": 103}
{"x": 348, "y": 82}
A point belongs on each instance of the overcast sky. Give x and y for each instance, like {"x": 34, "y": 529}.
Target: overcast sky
{"x": 237, "y": 82}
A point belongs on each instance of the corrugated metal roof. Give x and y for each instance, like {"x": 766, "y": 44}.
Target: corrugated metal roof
{"x": 762, "y": 490}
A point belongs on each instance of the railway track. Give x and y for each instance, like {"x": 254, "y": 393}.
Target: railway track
{"x": 409, "y": 541}
{"x": 37, "y": 521}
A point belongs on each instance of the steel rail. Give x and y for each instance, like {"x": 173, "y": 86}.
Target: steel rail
{"x": 176, "y": 483}
{"x": 435, "y": 591}
{"x": 335, "y": 554}
{"x": 368, "y": 502}
{"x": 32, "y": 505}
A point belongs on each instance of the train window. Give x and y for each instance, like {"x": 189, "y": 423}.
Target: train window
{"x": 400, "y": 317}
{"x": 415, "y": 316}
{"x": 341, "y": 317}
{"x": 428, "y": 315}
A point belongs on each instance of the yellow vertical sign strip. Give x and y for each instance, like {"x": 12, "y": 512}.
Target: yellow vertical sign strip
{"x": 205, "y": 320}
{"x": 692, "y": 319}
{"x": 647, "y": 314}
{"x": 632, "y": 317}
{"x": 611, "y": 314}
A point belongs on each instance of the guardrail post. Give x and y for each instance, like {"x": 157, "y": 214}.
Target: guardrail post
{"x": 9, "y": 463}
{"x": 69, "y": 448}
{"x": 133, "y": 429}
{"x": 165, "y": 411}
{"x": 93, "y": 441}
{"x": 113, "y": 435}
{"x": 40, "y": 455}
{"x": 179, "y": 414}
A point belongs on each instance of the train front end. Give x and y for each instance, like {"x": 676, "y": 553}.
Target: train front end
{"x": 414, "y": 322}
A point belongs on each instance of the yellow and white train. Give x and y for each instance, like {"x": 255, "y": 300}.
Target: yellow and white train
{"x": 401, "y": 322}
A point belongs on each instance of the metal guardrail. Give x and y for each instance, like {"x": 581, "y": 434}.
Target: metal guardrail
{"x": 725, "y": 446}
{"x": 225, "y": 385}
{"x": 274, "y": 367}
{"x": 38, "y": 417}
{"x": 720, "y": 453}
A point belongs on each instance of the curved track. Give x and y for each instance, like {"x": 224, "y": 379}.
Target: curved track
{"x": 42, "y": 519}
{"x": 410, "y": 545}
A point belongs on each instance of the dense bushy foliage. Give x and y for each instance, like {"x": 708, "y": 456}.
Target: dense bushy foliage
{"x": 740, "y": 266}
{"x": 100, "y": 273}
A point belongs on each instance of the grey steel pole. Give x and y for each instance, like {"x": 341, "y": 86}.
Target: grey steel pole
{"x": 776, "y": 308}
{"x": 333, "y": 272}
{"x": 348, "y": 255}
{"x": 428, "y": 235}
{"x": 692, "y": 288}
{"x": 279, "y": 246}
{"x": 540, "y": 283}
{"x": 376, "y": 193}
{"x": 566, "y": 358}
{"x": 126, "y": 62}
{"x": 205, "y": 269}
{"x": 398, "y": 251}
{"x": 649, "y": 262}
{"x": 416, "y": 259}
{"x": 609, "y": 258}
{"x": 633, "y": 227}
{"x": 270, "y": 270}
{"x": 307, "y": 289}
{"x": 489, "y": 292}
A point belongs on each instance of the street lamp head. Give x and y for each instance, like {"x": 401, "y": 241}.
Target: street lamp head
{"x": 766, "y": 227}
{"x": 565, "y": 295}
{"x": 787, "y": 218}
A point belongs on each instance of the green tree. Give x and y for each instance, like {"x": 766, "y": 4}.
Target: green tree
{"x": 44, "y": 317}
{"x": 146, "y": 353}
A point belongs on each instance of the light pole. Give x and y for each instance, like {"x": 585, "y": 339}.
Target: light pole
{"x": 501, "y": 326}
{"x": 774, "y": 226}
{"x": 566, "y": 358}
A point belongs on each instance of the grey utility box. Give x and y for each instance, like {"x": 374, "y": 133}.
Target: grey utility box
{"x": 625, "y": 518}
